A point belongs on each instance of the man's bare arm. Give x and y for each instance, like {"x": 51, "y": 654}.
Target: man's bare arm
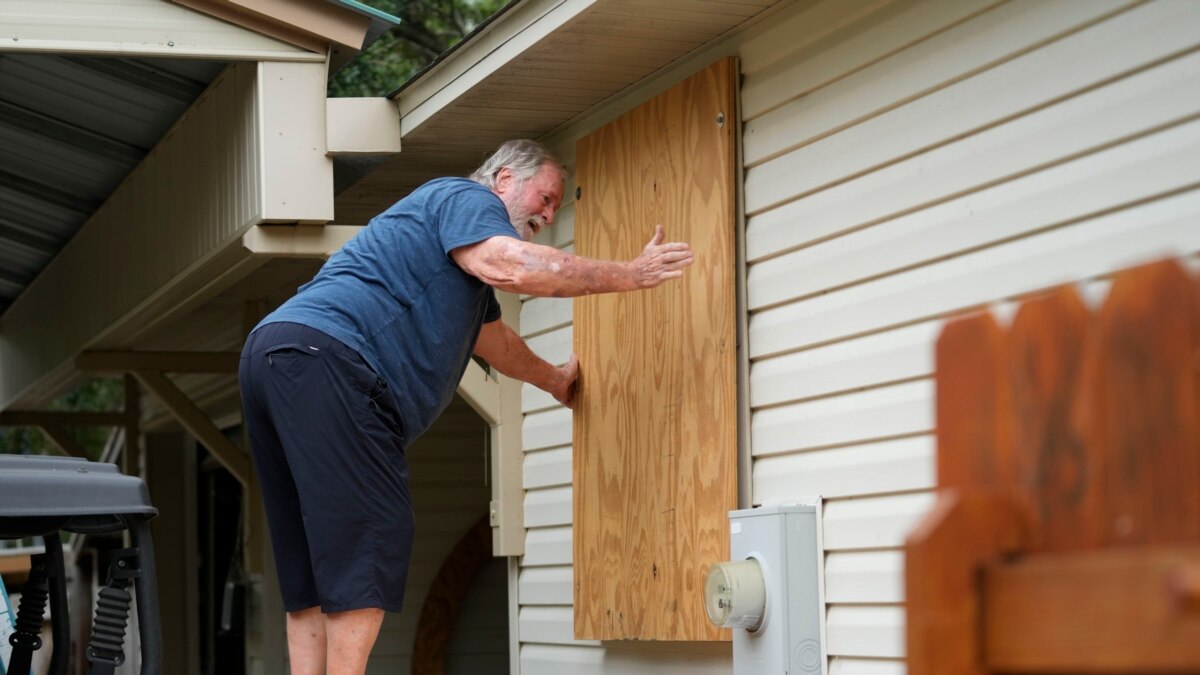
{"x": 523, "y": 267}
{"x": 505, "y": 351}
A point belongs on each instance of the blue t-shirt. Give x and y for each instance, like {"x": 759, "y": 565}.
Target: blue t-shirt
{"x": 394, "y": 294}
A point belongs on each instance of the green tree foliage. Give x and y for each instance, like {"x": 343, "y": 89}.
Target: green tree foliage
{"x": 99, "y": 395}
{"x": 427, "y": 28}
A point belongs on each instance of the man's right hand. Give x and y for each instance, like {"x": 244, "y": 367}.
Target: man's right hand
{"x": 660, "y": 262}
{"x": 567, "y": 377}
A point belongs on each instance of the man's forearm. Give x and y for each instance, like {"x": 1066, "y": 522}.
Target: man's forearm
{"x": 505, "y": 351}
{"x": 523, "y": 267}
{"x": 544, "y": 271}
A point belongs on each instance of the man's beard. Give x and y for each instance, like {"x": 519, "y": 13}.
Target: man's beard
{"x": 520, "y": 222}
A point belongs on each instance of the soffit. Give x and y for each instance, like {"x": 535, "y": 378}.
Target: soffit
{"x": 604, "y": 49}
{"x": 72, "y": 127}
{"x": 87, "y": 88}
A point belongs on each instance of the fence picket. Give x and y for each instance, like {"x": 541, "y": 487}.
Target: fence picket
{"x": 973, "y": 406}
{"x": 1054, "y": 468}
{"x": 1141, "y": 418}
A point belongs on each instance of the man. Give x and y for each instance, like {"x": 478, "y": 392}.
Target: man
{"x": 338, "y": 381}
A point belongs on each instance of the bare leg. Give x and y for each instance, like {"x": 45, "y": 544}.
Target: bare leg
{"x": 306, "y": 641}
{"x": 351, "y": 636}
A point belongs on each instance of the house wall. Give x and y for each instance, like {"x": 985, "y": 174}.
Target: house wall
{"x": 447, "y": 480}
{"x": 904, "y": 162}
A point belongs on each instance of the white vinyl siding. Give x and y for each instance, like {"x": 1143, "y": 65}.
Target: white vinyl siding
{"x": 915, "y": 165}
{"x": 905, "y": 162}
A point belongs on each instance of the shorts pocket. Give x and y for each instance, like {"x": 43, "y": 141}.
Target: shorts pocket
{"x": 382, "y": 405}
{"x": 290, "y": 350}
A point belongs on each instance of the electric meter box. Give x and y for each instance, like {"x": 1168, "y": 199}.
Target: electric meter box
{"x": 784, "y": 540}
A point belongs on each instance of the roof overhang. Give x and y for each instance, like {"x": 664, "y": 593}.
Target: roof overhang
{"x": 535, "y": 69}
{"x": 538, "y": 68}
{"x": 251, "y": 150}
{"x": 91, "y": 95}
{"x": 340, "y": 28}
{"x": 137, "y": 28}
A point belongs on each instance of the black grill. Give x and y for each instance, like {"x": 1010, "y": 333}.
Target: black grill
{"x": 41, "y": 496}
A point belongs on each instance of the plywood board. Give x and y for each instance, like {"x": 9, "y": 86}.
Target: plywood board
{"x": 655, "y": 424}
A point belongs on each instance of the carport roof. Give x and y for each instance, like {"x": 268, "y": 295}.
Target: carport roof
{"x": 86, "y": 91}
{"x": 72, "y": 127}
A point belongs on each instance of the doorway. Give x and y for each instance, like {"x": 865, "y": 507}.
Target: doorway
{"x": 448, "y": 479}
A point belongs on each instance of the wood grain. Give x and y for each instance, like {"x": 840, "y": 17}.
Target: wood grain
{"x": 943, "y": 555}
{"x": 976, "y": 517}
{"x": 1056, "y": 469}
{"x": 1105, "y": 611}
{"x": 655, "y": 423}
{"x": 1142, "y": 412}
{"x": 1065, "y": 536}
{"x": 974, "y": 413}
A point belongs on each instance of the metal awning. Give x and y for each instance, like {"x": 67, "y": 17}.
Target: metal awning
{"x": 88, "y": 89}
{"x": 71, "y": 129}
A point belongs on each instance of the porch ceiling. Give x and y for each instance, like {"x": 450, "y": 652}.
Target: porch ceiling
{"x": 87, "y": 89}
{"x": 72, "y": 128}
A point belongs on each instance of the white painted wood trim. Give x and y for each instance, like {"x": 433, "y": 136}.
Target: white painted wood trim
{"x": 530, "y": 22}
{"x": 141, "y": 28}
{"x": 507, "y": 459}
{"x": 362, "y": 126}
{"x": 482, "y": 392}
{"x": 297, "y": 176}
{"x": 297, "y": 241}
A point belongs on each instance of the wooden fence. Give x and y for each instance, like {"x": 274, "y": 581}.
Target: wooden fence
{"x": 1066, "y": 533}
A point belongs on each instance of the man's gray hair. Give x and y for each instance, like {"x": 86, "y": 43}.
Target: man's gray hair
{"x": 522, "y": 156}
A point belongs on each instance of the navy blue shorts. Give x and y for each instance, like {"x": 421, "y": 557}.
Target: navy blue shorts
{"x": 328, "y": 446}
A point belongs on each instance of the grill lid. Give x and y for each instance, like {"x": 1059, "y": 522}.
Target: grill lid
{"x": 40, "y": 494}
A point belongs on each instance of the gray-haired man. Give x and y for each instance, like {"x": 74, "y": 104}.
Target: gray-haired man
{"x": 338, "y": 381}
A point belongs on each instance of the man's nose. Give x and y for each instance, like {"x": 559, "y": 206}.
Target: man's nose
{"x": 548, "y": 214}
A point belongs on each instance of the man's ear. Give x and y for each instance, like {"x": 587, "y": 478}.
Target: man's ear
{"x": 504, "y": 180}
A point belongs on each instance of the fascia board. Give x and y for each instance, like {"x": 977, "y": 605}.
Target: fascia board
{"x": 506, "y": 39}
{"x": 135, "y": 28}
{"x": 362, "y": 127}
{"x": 312, "y": 24}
